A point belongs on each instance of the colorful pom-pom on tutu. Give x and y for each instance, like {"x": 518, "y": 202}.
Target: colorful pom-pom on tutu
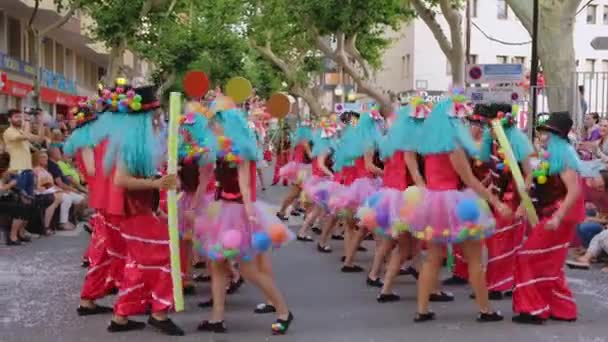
{"x": 225, "y": 231}
{"x": 447, "y": 216}
{"x": 380, "y": 213}
{"x": 351, "y": 197}
{"x": 294, "y": 172}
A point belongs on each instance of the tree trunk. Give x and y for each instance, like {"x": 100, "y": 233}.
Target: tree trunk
{"x": 555, "y": 47}
{"x": 457, "y": 63}
{"x": 316, "y": 110}
{"x": 114, "y": 63}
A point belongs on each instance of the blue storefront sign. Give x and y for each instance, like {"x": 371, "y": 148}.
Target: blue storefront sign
{"x": 48, "y": 79}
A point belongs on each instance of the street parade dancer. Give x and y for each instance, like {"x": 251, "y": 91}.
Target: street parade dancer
{"x": 508, "y": 237}
{"x": 541, "y": 291}
{"x": 298, "y": 168}
{"x": 236, "y": 226}
{"x": 449, "y": 209}
{"x": 134, "y": 153}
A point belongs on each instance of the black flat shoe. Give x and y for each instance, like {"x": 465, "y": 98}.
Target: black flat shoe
{"x": 492, "y": 295}
{"x": 215, "y": 327}
{"x": 441, "y": 297}
{"x": 200, "y": 264}
{"x": 166, "y": 326}
{"x": 374, "y": 283}
{"x": 525, "y": 318}
{"x": 559, "y": 319}
{"x": 282, "y": 217}
{"x": 361, "y": 249}
{"x": 323, "y": 249}
{"x": 424, "y": 317}
{"x": 388, "y": 298}
{"x": 454, "y": 281}
{"x": 189, "y": 290}
{"x": 129, "y": 326}
{"x": 316, "y": 230}
{"x": 10, "y": 242}
{"x": 96, "y": 310}
{"x": 206, "y": 304}
{"x": 235, "y": 286}
{"x": 410, "y": 271}
{"x": 25, "y": 238}
{"x": 281, "y": 326}
{"x": 337, "y": 237}
{"x": 85, "y": 264}
{"x": 369, "y": 237}
{"x": 304, "y": 238}
{"x": 489, "y": 317}
{"x": 351, "y": 269}
{"x": 264, "y": 308}
{"x": 202, "y": 278}
{"x": 295, "y": 213}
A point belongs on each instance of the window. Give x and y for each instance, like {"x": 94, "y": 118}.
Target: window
{"x": 14, "y": 38}
{"x": 472, "y": 59}
{"x": 605, "y": 15}
{"x": 59, "y": 59}
{"x": 502, "y": 59}
{"x": 589, "y": 65}
{"x": 605, "y": 65}
{"x": 49, "y": 53}
{"x": 591, "y": 14}
{"x": 518, "y": 60}
{"x": 503, "y": 10}
{"x": 473, "y": 8}
{"x": 405, "y": 66}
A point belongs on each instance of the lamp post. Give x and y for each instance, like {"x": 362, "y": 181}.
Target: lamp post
{"x": 534, "y": 69}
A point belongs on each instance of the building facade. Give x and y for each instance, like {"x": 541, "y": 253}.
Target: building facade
{"x": 71, "y": 63}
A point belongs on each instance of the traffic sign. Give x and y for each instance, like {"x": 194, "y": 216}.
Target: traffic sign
{"x": 498, "y": 73}
{"x": 495, "y": 95}
{"x": 600, "y": 43}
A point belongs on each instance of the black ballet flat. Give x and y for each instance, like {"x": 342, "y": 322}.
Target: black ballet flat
{"x": 304, "y": 238}
{"x": 484, "y": 317}
{"x": 166, "y": 326}
{"x": 129, "y": 326}
{"x": 492, "y": 295}
{"x": 387, "y": 298}
{"x": 337, "y": 237}
{"x": 200, "y": 264}
{"x": 189, "y": 290}
{"x": 202, "y": 278}
{"x": 525, "y": 318}
{"x": 96, "y": 310}
{"x": 323, "y": 249}
{"x": 25, "y": 238}
{"x": 281, "y": 326}
{"x": 352, "y": 269}
{"x": 215, "y": 327}
{"x": 264, "y": 308}
{"x": 316, "y": 230}
{"x": 235, "y": 286}
{"x": 282, "y": 217}
{"x": 361, "y": 249}
{"x": 424, "y": 317}
{"x": 374, "y": 282}
{"x": 206, "y": 304}
{"x": 455, "y": 281}
{"x": 10, "y": 242}
{"x": 410, "y": 271}
{"x": 441, "y": 297}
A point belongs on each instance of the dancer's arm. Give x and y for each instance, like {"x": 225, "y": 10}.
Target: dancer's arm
{"x": 570, "y": 179}
{"x": 321, "y": 164}
{"x": 88, "y": 159}
{"x": 245, "y": 187}
{"x": 411, "y": 162}
{"x": 369, "y": 164}
{"x": 307, "y": 150}
{"x": 462, "y": 167}
{"x": 124, "y": 180}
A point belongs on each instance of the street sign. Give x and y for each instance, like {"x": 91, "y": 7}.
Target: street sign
{"x": 497, "y": 73}
{"x": 600, "y": 43}
{"x": 495, "y": 95}
{"x": 340, "y": 108}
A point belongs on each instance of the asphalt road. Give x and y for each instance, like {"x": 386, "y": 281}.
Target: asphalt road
{"x": 40, "y": 286}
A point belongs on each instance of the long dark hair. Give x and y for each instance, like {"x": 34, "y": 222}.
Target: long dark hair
{"x": 188, "y": 177}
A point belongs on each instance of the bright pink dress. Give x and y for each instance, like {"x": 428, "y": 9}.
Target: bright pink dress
{"x": 298, "y": 168}
{"x": 358, "y": 185}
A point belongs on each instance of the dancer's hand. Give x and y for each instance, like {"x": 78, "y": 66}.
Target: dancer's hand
{"x": 521, "y": 212}
{"x": 503, "y": 210}
{"x": 168, "y": 182}
{"x": 553, "y": 222}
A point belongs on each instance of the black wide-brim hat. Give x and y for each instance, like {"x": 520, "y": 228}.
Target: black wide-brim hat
{"x": 149, "y": 101}
{"x": 559, "y": 123}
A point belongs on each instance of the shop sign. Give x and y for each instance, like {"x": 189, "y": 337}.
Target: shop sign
{"x": 15, "y": 65}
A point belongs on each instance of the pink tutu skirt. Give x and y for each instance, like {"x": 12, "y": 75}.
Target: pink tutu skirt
{"x": 380, "y": 213}
{"x": 183, "y": 203}
{"x": 447, "y": 216}
{"x": 224, "y": 231}
{"x": 320, "y": 192}
{"x": 295, "y": 172}
{"x": 350, "y": 197}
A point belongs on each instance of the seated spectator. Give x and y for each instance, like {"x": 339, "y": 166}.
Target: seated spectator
{"x": 68, "y": 170}
{"x": 56, "y": 139}
{"x": 48, "y": 194}
{"x": 591, "y": 133}
{"x": 16, "y": 207}
{"x": 72, "y": 192}
{"x": 598, "y": 149}
{"x": 598, "y": 243}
